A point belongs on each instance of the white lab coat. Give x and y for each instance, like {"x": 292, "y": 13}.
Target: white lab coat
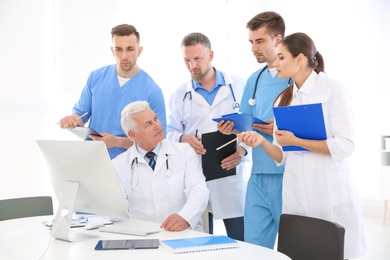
{"x": 177, "y": 184}
{"x": 323, "y": 186}
{"x": 227, "y": 195}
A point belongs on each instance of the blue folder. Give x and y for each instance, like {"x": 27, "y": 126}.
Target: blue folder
{"x": 305, "y": 121}
{"x": 242, "y": 122}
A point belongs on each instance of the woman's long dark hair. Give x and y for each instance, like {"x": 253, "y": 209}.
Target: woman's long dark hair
{"x": 297, "y": 43}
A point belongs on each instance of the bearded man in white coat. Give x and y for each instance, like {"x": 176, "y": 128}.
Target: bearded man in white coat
{"x": 209, "y": 94}
{"x": 167, "y": 187}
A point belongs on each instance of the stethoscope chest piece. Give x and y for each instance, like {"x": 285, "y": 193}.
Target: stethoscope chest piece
{"x": 252, "y": 101}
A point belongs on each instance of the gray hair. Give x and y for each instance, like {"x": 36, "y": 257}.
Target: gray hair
{"x": 195, "y": 38}
{"x": 127, "y": 113}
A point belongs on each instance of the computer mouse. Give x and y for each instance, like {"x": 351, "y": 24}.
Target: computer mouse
{"x": 91, "y": 226}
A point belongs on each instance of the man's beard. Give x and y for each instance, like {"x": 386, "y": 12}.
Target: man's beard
{"x": 200, "y": 77}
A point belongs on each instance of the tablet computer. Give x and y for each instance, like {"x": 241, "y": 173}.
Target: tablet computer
{"x": 152, "y": 243}
{"x": 84, "y": 132}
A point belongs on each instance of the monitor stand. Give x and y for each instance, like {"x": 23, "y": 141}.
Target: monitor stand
{"x": 62, "y": 222}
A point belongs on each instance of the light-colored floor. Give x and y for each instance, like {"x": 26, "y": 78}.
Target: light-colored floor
{"x": 377, "y": 234}
{"x": 377, "y": 239}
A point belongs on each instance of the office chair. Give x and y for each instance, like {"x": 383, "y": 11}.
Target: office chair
{"x": 26, "y": 207}
{"x": 306, "y": 238}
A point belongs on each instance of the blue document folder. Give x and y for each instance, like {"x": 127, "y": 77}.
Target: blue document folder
{"x": 305, "y": 121}
{"x": 242, "y": 122}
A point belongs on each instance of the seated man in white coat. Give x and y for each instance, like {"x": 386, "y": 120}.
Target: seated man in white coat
{"x": 168, "y": 187}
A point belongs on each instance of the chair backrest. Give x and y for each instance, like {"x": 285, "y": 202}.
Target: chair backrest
{"x": 26, "y": 207}
{"x": 306, "y": 238}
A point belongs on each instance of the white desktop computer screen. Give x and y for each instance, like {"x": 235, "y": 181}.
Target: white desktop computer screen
{"x": 83, "y": 179}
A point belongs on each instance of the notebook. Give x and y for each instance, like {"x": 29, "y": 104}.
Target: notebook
{"x": 199, "y": 244}
{"x": 211, "y": 161}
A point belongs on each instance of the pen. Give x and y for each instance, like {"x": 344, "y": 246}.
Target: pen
{"x": 231, "y": 141}
{"x": 196, "y": 133}
{"x": 77, "y": 118}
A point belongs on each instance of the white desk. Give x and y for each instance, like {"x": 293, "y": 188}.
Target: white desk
{"x": 27, "y": 238}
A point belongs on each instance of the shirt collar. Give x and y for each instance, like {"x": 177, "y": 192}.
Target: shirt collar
{"x": 307, "y": 85}
{"x": 142, "y": 152}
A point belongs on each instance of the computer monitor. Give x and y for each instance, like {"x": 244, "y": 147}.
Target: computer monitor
{"x": 83, "y": 179}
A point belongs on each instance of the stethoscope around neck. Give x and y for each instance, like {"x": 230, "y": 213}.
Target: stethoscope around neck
{"x": 135, "y": 180}
{"x": 252, "y": 101}
{"x": 187, "y": 106}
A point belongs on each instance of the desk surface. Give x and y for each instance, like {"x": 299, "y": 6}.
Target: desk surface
{"x": 27, "y": 238}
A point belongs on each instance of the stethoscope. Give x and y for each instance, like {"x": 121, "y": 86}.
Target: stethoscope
{"x": 134, "y": 164}
{"x": 187, "y": 105}
{"x": 252, "y": 101}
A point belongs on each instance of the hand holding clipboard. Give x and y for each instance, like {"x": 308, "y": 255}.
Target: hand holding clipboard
{"x": 305, "y": 121}
{"x": 242, "y": 121}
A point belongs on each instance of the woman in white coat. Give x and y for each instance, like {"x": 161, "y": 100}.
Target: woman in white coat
{"x": 210, "y": 94}
{"x": 317, "y": 182}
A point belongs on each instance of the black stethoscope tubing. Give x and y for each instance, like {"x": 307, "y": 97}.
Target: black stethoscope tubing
{"x": 252, "y": 101}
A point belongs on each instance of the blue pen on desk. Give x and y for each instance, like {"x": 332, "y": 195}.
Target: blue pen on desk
{"x": 196, "y": 133}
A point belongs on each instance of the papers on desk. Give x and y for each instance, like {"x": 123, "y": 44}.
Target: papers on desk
{"x": 199, "y": 244}
{"x": 242, "y": 122}
{"x": 132, "y": 227}
{"x": 81, "y": 220}
{"x": 211, "y": 161}
{"x": 305, "y": 121}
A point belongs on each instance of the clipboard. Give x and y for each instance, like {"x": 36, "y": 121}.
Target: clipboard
{"x": 242, "y": 121}
{"x": 305, "y": 121}
{"x": 84, "y": 132}
{"x": 211, "y": 161}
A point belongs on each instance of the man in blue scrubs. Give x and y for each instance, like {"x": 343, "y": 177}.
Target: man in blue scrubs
{"x": 110, "y": 88}
{"x": 263, "y": 202}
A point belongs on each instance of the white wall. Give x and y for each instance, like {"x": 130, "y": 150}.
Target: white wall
{"x": 48, "y": 48}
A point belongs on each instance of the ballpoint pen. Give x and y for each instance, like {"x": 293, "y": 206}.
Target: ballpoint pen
{"x": 77, "y": 119}
{"x": 196, "y": 133}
